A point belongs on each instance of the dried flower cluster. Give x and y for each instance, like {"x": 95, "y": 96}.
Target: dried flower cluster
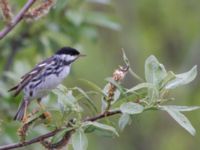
{"x": 6, "y": 11}
{"x": 39, "y": 11}
{"x": 118, "y": 76}
{"x": 22, "y": 131}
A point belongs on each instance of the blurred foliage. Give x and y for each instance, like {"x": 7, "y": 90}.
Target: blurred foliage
{"x": 100, "y": 28}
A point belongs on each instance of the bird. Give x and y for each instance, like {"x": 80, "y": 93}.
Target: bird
{"x": 43, "y": 78}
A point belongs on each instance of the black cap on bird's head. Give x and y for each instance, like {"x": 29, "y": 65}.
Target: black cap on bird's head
{"x": 68, "y": 51}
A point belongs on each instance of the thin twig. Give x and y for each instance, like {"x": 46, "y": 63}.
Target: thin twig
{"x": 34, "y": 140}
{"x": 52, "y": 133}
{"x": 16, "y": 19}
{"x": 103, "y": 115}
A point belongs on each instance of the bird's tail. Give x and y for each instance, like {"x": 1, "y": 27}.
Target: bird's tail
{"x": 21, "y": 110}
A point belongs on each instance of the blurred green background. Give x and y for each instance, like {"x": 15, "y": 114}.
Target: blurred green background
{"x": 170, "y": 30}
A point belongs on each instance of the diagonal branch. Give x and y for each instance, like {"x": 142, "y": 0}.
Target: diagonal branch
{"x": 52, "y": 133}
{"x": 16, "y": 19}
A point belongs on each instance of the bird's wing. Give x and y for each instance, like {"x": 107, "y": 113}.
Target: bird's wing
{"x": 37, "y": 68}
{"x": 30, "y": 75}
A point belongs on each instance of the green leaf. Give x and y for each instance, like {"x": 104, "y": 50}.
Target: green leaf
{"x": 116, "y": 94}
{"x": 60, "y": 135}
{"x": 62, "y": 88}
{"x": 123, "y": 121}
{"x": 170, "y": 76}
{"x": 89, "y": 100}
{"x": 4, "y": 89}
{"x": 76, "y": 17}
{"x": 105, "y": 2}
{"x": 104, "y": 104}
{"x": 100, "y": 126}
{"x": 135, "y": 75}
{"x": 55, "y": 36}
{"x": 92, "y": 85}
{"x": 183, "y": 108}
{"x": 140, "y": 86}
{"x": 182, "y": 79}
{"x": 131, "y": 108}
{"x": 70, "y": 97}
{"x": 89, "y": 129}
{"x": 102, "y": 20}
{"x": 125, "y": 58}
{"x": 180, "y": 118}
{"x": 20, "y": 68}
{"x": 68, "y": 100}
{"x": 61, "y": 106}
{"x": 154, "y": 71}
{"x": 60, "y": 4}
{"x": 153, "y": 94}
{"x": 79, "y": 140}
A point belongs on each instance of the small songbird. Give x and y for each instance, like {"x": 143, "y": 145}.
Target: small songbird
{"x": 43, "y": 78}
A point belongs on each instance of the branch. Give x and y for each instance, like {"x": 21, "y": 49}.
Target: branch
{"x": 107, "y": 114}
{"x": 17, "y": 19}
{"x": 52, "y": 133}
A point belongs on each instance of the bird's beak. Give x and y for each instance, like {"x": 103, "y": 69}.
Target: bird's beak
{"x": 82, "y": 55}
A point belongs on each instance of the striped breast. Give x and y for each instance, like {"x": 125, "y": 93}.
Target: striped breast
{"x": 47, "y": 80}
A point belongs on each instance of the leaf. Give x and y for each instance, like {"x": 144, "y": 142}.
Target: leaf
{"x": 183, "y": 108}
{"x": 153, "y": 94}
{"x": 79, "y": 140}
{"x": 117, "y": 93}
{"x": 68, "y": 100}
{"x": 58, "y": 37}
{"x": 154, "y": 71}
{"x": 102, "y": 20}
{"x": 170, "y": 76}
{"x": 131, "y": 108}
{"x": 3, "y": 89}
{"x": 89, "y": 129}
{"x": 61, "y": 87}
{"x": 135, "y": 75}
{"x": 182, "y": 79}
{"x": 130, "y": 97}
{"x": 100, "y": 126}
{"x": 180, "y": 118}
{"x": 89, "y": 100}
{"x": 105, "y": 2}
{"x": 60, "y": 135}
{"x": 92, "y": 85}
{"x": 70, "y": 97}
{"x": 125, "y": 58}
{"x": 123, "y": 121}
{"x": 60, "y": 4}
{"x": 61, "y": 106}
{"x": 140, "y": 86}
{"x": 76, "y": 17}
{"x": 104, "y": 104}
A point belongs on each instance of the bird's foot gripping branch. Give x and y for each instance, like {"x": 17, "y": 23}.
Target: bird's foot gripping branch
{"x": 89, "y": 117}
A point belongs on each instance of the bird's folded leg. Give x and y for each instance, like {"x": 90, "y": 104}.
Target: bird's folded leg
{"x": 46, "y": 114}
{"x": 25, "y": 117}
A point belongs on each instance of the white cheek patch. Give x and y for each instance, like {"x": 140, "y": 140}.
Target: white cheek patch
{"x": 63, "y": 57}
{"x": 70, "y": 58}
